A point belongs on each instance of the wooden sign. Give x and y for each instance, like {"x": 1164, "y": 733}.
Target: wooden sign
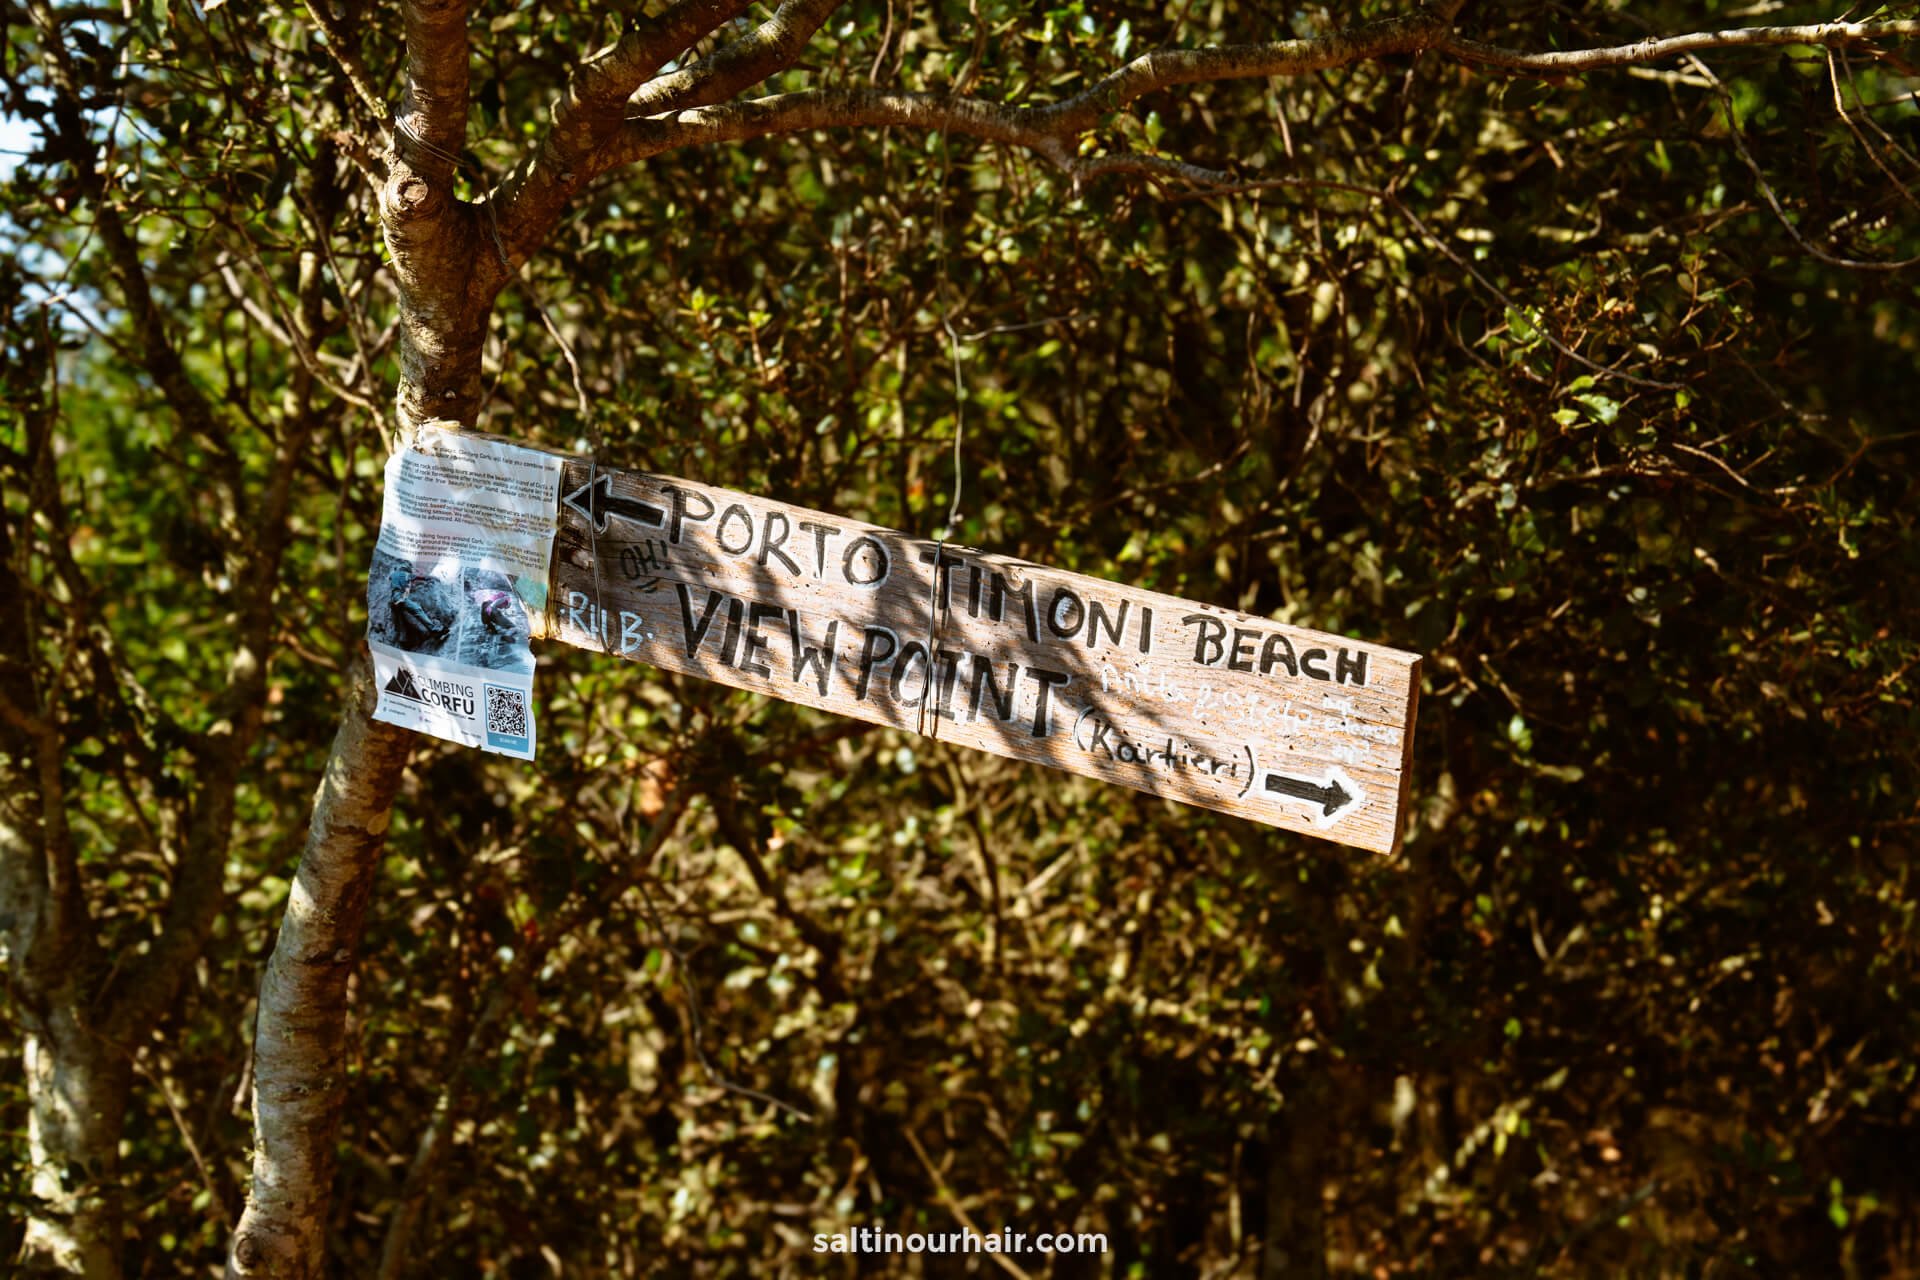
{"x": 1295, "y": 728}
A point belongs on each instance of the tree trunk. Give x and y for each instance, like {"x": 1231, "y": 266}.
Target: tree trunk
{"x": 300, "y": 1048}
{"x": 300, "y": 1045}
{"x": 449, "y": 272}
{"x": 76, "y": 1080}
{"x": 78, "y": 1085}
{"x": 449, "y": 262}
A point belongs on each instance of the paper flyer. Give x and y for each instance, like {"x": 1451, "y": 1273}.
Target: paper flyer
{"x": 466, "y": 532}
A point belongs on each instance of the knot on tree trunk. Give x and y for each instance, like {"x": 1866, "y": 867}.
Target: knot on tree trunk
{"x": 411, "y": 198}
{"x": 247, "y": 1255}
{"x": 269, "y": 1255}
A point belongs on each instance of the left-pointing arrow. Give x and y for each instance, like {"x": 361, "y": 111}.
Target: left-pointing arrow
{"x": 595, "y": 502}
{"x": 1333, "y": 797}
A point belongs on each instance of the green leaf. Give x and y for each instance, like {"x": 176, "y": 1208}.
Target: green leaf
{"x": 1600, "y": 408}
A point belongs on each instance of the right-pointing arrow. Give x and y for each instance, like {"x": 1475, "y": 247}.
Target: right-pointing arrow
{"x": 1334, "y": 797}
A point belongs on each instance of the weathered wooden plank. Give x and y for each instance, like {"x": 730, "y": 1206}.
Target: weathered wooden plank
{"x": 1199, "y": 704}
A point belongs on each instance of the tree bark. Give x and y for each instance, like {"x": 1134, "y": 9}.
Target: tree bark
{"x": 300, "y": 1049}
{"x": 78, "y": 1087}
{"x": 76, "y": 1081}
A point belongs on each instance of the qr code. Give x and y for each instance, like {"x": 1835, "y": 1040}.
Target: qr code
{"x": 506, "y": 712}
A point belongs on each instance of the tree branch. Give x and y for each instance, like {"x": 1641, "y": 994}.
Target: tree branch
{"x": 1153, "y": 168}
{"x": 432, "y": 124}
{"x": 1571, "y": 61}
{"x": 678, "y": 117}
{"x": 837, "y": 108}
{"x": 1164, "y": 68}
{"x": 43, "y": 910}
{"x": 608, "y": 79}
{"x": 532, "y": 198}
{"x": 199, "y": 891}
{"x": 154, "y": 350}
{"x": 147, "y": 986}
{"x": 256, "y": 535}
{"x": 774, "y": 46}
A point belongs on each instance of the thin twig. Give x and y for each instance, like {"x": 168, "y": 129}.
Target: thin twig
{"x": 1599, "y": 370}
{"x": 1021, "y": 327}
{"x": 216, "y": 1202}
{"x": 1840, "y": 109}
{"x": 696, "y": 1024}
{"x": 948, "y": 1199}
{"x": 347, "y": 55}
{"x": 1231, "y": 188}
{"x": 1766, "y": 188}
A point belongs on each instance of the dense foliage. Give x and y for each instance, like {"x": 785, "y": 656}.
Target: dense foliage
{"x": 1532, "y": 378}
